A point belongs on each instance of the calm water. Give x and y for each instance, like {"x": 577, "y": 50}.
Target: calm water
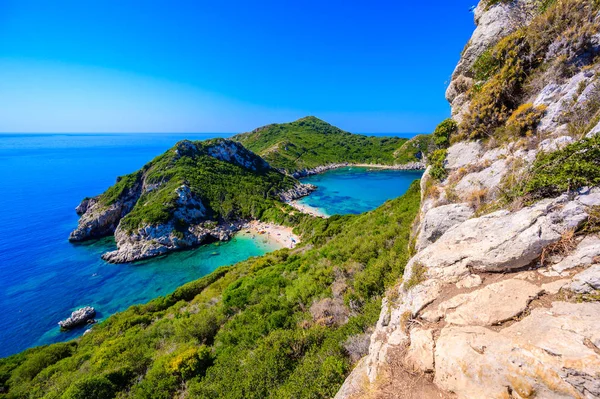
{"x": 357, "y": 190}
{"x": 43, "y": 277}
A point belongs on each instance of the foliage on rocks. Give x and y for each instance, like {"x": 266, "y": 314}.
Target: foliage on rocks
{"x": 443, "y": 132}
{"x": 577, "y": 165}
{"x": 562, "y": 33}
{"x": 436, "y": 161}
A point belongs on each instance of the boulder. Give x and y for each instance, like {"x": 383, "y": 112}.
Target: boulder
{"x": 587, "y": 281}
{"x": 583, "y": 255}
{"x": 420, "y": 351}
{"x": 79, "y": 317}
{"x": 438, "y": 220}
{"x": 500, "y": 241}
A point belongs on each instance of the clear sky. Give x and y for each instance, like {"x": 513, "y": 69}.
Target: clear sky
{"x": 226, "y": 66}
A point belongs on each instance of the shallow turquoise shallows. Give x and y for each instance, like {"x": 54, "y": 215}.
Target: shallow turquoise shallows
{"x": 43, "y": 277}
{"x": 355, "y": 190}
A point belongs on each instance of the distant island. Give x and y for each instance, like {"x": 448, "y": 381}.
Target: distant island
{"x": 203, "y": 191}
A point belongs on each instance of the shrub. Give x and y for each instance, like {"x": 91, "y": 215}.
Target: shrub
{"x": 191, "y": 362}
{"x": 418, "y": 275}
{"x": 575, "y": 166}
{"x": 525, "y": 119}
{"x": 436, "y": 160}
{"x": 91, "y": 387}
{"x": 443, "y": 131}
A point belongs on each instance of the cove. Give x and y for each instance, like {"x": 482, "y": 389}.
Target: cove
{"x": 43, "y": 277}
{"x": 354, "y": 190}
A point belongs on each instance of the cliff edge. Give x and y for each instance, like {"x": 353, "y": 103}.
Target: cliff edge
{"x": 501, "y": 297}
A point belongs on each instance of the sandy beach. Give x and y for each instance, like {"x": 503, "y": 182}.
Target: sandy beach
{"x": 282, "y": 235}
{"x": 308, "y": 209}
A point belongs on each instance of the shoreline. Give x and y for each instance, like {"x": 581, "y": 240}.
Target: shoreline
{"x": 411, "y": 166}
{"x": 307, "y": 209}
{"x": 281, "y": 235}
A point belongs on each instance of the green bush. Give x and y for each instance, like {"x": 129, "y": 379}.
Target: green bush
{"x": 436, "y": 160}
{"x": 575, "y": 166}
{"x": 443, "y": 131}
{"x": 90, "y": 387}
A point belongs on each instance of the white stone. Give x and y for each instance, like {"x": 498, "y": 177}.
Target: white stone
{"x": 543, "y": 356}
{"x": 463, "y": 154}
{"x": 583, "y": 255}
{"x": 420, "y": 351}
{"x": 438, "y": 220}
{"x": 471, "y": 281}
{"x": 491, "y": 304}
{"x": 587, "y": 281}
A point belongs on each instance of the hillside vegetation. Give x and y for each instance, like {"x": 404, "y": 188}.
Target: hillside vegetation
{"x": 310, "y": 142}
{"x": 286, "y": 325}
{"x": 226, "y": 189}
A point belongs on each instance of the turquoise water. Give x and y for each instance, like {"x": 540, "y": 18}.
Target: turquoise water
{"x": 355, "y": 190}
{"x": 43, "y": 277}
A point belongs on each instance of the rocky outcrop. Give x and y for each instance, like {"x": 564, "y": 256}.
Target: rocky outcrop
{"x": 98, "y": 219}
{"x": 79, "y": 317}
{"x": 154, "y": 240}
{"x": 552, "y": 353}
{"x": 493, "y": 23}
{"x": 491, "y": 331}
{"x": 189, "y": 221}
{"x": 299, "y": 191}
{"x": 438, "y": 220}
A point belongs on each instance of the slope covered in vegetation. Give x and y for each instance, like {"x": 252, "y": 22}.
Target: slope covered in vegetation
{"x": 193, "y": 191}
{"x": 310, "y": 142}
{"x": 288, "y": 324}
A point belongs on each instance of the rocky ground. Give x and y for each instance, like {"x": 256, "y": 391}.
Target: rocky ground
{"x": 495, "y": 303}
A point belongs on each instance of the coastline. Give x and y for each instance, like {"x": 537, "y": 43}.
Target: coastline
{"x": 324, "y": 168}
{"x": 281, "y": 235}
{"x": 308, "y": 209}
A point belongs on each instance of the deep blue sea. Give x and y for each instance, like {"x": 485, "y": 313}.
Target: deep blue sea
{"x": 43, "y": 277}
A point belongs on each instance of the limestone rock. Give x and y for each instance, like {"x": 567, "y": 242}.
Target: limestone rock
{"x": 587, "y": 281}
{"x": 595, "y": 130}
{"x": 420, "y": 352}
{"x": 493, "y": 24}
{"x": 438, "y": 220}
{"x": 490, "y": 305}
{"x": 299, "y": 191}
{"x": 562, "y": 98}
{"x": 555, "y": 286}
{"x": 551, "y": 145}
{"x": 583, "y": 255}
{"x": 463, "y": 154}
{"x": 98, "y": 220}
{"x": 500, "y": 241}
{"x": 471, "y": 281}
{"x": 489, "y": 178}
{"x": 537, "y": 357}
{"x": 78, "y": 317}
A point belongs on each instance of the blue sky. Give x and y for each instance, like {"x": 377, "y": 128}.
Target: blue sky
{"x": 226, "y": 66}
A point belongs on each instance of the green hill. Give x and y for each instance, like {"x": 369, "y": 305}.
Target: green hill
{"x": 310, "y": 142}
{"x": 192, "y": 192}
{"x": 286, "y": 325}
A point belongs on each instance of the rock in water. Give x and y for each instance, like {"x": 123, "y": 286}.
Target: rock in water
{"x": 78, "y": 317}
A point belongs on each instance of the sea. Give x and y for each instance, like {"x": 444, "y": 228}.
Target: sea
{"x": 43, "y": 277}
